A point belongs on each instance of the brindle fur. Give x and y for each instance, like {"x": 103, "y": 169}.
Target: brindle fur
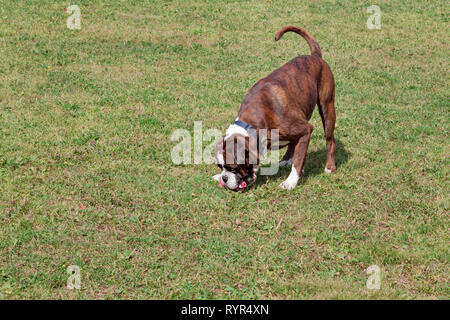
{"x": 285, "y": 100}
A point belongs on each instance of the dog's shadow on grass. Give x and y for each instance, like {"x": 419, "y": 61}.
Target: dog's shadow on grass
{"x": 315, "y": 163}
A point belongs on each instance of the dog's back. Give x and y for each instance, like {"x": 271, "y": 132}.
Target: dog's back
{"x": 281, "y": 92}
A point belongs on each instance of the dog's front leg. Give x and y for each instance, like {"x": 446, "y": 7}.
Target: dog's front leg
{"x": 299, "y": 158}
{"x": 287, "y": 158}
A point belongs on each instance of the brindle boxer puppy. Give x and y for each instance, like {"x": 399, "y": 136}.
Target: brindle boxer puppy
{"x": 284, "y": 100}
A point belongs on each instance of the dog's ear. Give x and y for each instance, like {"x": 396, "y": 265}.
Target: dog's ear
{"x": 240, "y": 150}
{"x": 252, "y": 156}
{"x": 252, "y": 149}
{"x": 219, "y": 151}
{"x": 247, "y": 151}
{"x": 233, "y": 148}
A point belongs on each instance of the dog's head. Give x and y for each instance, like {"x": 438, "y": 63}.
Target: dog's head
{"x": 237, "y": 158}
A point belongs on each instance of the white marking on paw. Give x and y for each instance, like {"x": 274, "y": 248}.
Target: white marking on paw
{"x": 287, "y": 186}
{"x": 327, "y": 170}
{"x": 291, "y": 180}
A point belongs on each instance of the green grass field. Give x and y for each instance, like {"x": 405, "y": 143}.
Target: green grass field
{"x": 86, "y": 176}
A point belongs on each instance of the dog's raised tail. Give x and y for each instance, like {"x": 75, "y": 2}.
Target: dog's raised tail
{"x": 313, "y": 45}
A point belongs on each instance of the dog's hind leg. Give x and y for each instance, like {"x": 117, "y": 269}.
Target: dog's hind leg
{"x": 328, "y": 115}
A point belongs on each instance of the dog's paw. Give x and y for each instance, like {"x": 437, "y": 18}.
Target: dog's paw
{"x": 288, "y": 185}
{"x": 216, "y": 177}
{"x": 285, "y": 163}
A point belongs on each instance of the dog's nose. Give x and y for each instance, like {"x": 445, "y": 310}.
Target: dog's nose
{"x": 224, "y": 179}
